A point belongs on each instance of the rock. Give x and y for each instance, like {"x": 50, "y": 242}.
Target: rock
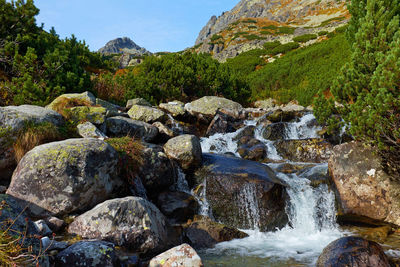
{"x": 306, "y": 150}
{"x": 112, "y": 109}
{"x": 175, "y": 108}
{"x": 146, "y": 114}
{"x": 208, "y": 106}
{"x": 48, "y": 244}
{"x": 96, "y": 115}
{"x": 131, "y": 222}
{"x": 86, "y": 96}
{"x": 293, "y": 106}
{"x": 186, "y": 150}
{"x": 164, "y": 133}
{"x": 278, "y": 115}
{"x": 183, "y": 255}
{"x": 253, "y": 149}
{"x": 121, "y": 126}
{"x": 224, "y": 122}
{"x": 89, "y": 130}
{"x": 123, "y": 45}
{"x": 205, "y": 233}
{"x": 88, "y": 253}
{"x": 275, "y": 131}
{"x": 137, "y": 101}
{"x": 363, "y": 187}
{"x": 42, "y": 227}
{"x": 265, "y": 104}
{"x": 178, "y": 206}
{"x": 54, "y": 223}
{"x": 353, "y": 251}
{"x": 230, "y": 181}
{"x": 67, "y": 176}
{"x": 12, "y": 120}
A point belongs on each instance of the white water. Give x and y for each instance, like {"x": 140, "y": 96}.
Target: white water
{"x": 249, "y": 206}
{"x": 311, "y": 211}
{"x": 182, "y": 184}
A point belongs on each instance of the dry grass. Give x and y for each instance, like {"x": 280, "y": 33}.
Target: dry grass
{"x": 33, "y": 135}
{"x": 64, "y": 103}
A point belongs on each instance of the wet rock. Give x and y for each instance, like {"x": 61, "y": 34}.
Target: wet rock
{"x": 278, "y": 115}
{"x": 121, "y": 127}
{"x": 67, "y": 176}
{"x": 88, "y": 253}
{"x": 85, "y": 96}
{"x": 186, "y": 150}
{"x": 364, "y": 188}
{"x": 306, "y": 150}
{"x": 12, "y": 120}
{"x": 247, "y": 131}
{"x": 178, "y": 206}
{"x": 89, "y": 130}
{"x": 377, "y": 234}
{"x": 353, "y": 251}
{"x": 205, "y": 233}
{"x": 183, "y": 255}
{"x": 252, "y": 149}
{"x": 219, "y": 125}
{"x": 230, "y": 182}
{"x": 96, "y": 115}
{"x": 275, "y": 131}
{"x": 146, "y": 114}
{"x": 208, "y": 106}
{"x": 175, "y": 108}
{"x": 293, "y": 106}
{"x": 137, "y": 101}
{"x": 131, "y": 222}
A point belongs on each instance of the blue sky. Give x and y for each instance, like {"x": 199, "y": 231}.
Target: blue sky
{"x": 157, "y": 25}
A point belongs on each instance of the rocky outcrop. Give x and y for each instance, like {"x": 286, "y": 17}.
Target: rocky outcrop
{"x": 67, "y": 176}
{"x": 186, "y": 150}
{"x": 202, "y": 233}
{"x": 132, "y": 222}
{"x": 121, "y": 126}
{"x": 307, "y": 150}
{"x": 88, "y": 253}
{"x": 353, "y": 251}
{"x": 146, "y": 114}
{"x": 123, "y": 45}
{"x": 12, "y": 120}
{"x": 230, "y": 181}
{"x": 178, "y": 206}
{"x": 183, "y": 255}
{"x": 364, "y": 189}
{"x": 207, "y": 107}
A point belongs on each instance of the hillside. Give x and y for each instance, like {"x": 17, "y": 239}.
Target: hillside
{"x": 251, "y": 23}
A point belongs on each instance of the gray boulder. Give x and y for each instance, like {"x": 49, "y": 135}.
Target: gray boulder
{"x": 208, "y": 106}
{"x": 89, "y": 130}
{"x": 67, "y": 176}
{"x": 183, "y": 255}
{"x": 137, "y": 101}
{"x": 186, "y": 150}
{"x": 146, "y": 114}
{"x": 88, "y": 253}
{"x": 85, "y": 96}
{"x": 131, "y": 222}
{"x": 121, "y": 126}
{"x": 178, "y": 206}
{"x": 175, "y": 108}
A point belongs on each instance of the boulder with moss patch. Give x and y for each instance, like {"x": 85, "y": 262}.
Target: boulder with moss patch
{"x": 137, "y": 101}
{"x": 89, "y": 130}
{"x": 67, "y": 176}
{"x": 146, "y": 114}
{"x": 121, "y": 126}
{"x": 175, "y": 108}
{"x": 132, "y": 222}
{"x": 85, "y": 96}
{"x": 307, "y": 150}
{"x": 96, "y": 115}
{"x": 207, "y": 106}
{"x": 183, "y": 255}
{"x": 186, "y": 150}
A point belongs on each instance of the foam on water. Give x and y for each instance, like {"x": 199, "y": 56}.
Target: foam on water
{"x": 303, "y": 129}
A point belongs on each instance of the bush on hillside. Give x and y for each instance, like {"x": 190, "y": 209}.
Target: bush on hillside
{"x": 247, "y": 62}
{"x": 305, "y": 38}
{"x": 284, "y": 48}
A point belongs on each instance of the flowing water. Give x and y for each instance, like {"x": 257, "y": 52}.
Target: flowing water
{"x": 311, "y": 210}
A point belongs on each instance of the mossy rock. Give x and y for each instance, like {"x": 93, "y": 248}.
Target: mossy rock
{"x": 146, "y": 114}
{"x": 95, "y": 115}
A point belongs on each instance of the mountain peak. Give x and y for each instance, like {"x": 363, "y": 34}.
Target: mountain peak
{"x": 123, "y": 45}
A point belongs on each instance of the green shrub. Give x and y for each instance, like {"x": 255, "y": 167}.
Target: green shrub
{"x": 327, "y": 22}
{"x": 305, "y": 38}
{"x": 249, "y": 21}
{"x": 246, "y": 62}
{"x": 322, "y": 33}
{"x": 286, "y": 30}
{"x": 253, "y": 37}
{"x": 341, "y": 29}
{"x": 270, "y": 27}
{"x": 284, "y": 48}
{"x": 266, "y": 32}
{"x": 271, "y": 45}
{"x": 252, "y": 27}
{"x": 215, "y": 37}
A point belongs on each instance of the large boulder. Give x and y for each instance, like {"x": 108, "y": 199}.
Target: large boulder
{"x": 363, "y": 187}
{"x": 146, "y": 114}
{"x": 121, "y": 126}
{"x": 177, "y": 206}
{"x": 12, "y": 120}
{"x": 208, "y": 106}
{"x": 137, "y": 101}
{"x": 89, "y": 130}
{"x": 67, "y": 176}
{"x": 186, "y": 150}
{"x": 232, "y": 184}
{"x": 275, "y": 131}
{"x": 96, "y": 115}
{"x": 87, "y": 97}
{"x": 131, "y": 222}
{"x": 252, "y": 148}
{"x": 353, "y": 251}
{"x": 305, "y": 150}
{"x": 183, "y": 255}
{"x": 203, "y": 232}
{"x": 175, "y": 108}
{"x": 88, "y": 253}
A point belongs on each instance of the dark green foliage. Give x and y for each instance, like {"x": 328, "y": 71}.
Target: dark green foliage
{"x": 270, "y": 27}
{"x": 215, "y": 37}
{"x": 174, "y": 76}
{"x": 305, "y": 38}
{"x": 253, "y": 37}
{"x": 247, "y": 62}
{"x": 322, "y": 33}
{"x": 284, "y": 48}
{"x": 286, "y": 30}
{"x": 369, "y": 85}
{"x": 38, "y": 65}
{"x": 249, "y": 21}
{"x": 301, "y": 73}
{"x": 266, "y": 32}
{"x": 329, "y": 21}
{"x": 252, "y": 27}
{"x": 271, "y": 45}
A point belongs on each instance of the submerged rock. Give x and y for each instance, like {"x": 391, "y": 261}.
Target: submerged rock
{"x": 364, "y": 188}
{"x": 186, "y": 150}
{"x": 131, "y": 222}
{"x": 353, "y": 251}
{"x": 233, "y": 183}
{"x": 88, "y": 253}
{"x": 67, "y": 176}
{"x": 205, "y": 233}
{"x": 183, "y": 255}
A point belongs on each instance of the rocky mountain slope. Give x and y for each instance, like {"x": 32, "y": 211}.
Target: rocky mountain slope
{"x": 251, "y": 23}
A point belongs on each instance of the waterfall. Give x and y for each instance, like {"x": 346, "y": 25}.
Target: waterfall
{"x": 249, "y": 206}
{"x": 181, "y": 183}
{"x": 303, "y": 129}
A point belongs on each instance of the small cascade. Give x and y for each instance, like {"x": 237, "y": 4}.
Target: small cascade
{"x": 303, "y": 129}
{"x": 175, "y": 126}
{"x": 221, "y": 143}
{"x": 249, "y": 206}
{"x": 272, "y": 152}
{"x": 202, "y": 200}
{"x": 181, "y": 183}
